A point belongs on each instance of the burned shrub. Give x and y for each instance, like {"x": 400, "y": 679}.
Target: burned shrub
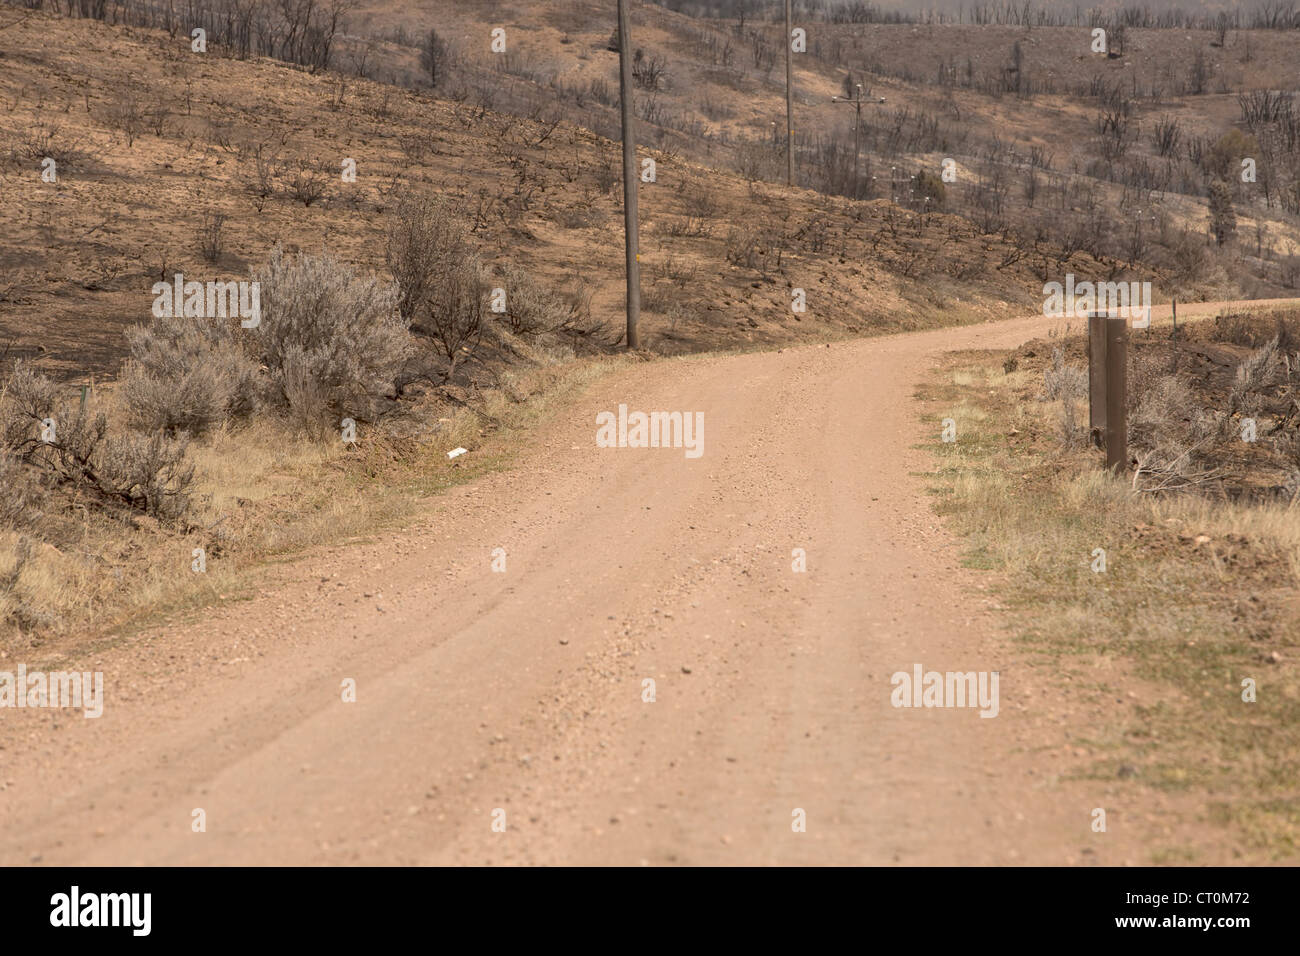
{"x": 532, "y": 308}
{"x": 72, "y": 448}
{"x": 440, "y": 281}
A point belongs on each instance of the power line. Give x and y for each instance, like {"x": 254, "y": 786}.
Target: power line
{"x": 633, "y": 265}
{"x": 789, "y": 99}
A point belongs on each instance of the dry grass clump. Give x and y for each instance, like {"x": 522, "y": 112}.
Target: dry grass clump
{"x": 1185, "y": 433}
{"x": 1067, "y": 384}
{"x": 64, "y": 469}
{"x": 22, "y": 499}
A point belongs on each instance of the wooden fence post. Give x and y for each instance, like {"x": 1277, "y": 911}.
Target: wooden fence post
{"x": 1116, "y": 394}
{"x": 1175, "y": 362}
{"x": 1097, "y": 378}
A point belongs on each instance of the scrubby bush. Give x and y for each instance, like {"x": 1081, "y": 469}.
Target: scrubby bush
{"x": 930, "y": 186}
{"x": 188, "y": 374}
{"x": 126, "y": 116}
{"x": 421, "y": 235}
{"x": 1226, "y": 154}
{"x": 147, "y": 471}
{"x": 433, "y": 56}
{"x": 741, "y": 246}
{"x": 1188, "y": 254}
{"x": 453, "y": 313}
{"x": 532, "y": 308}
{"x": 1223, "y": 218}
{"x": 330, "y": 345}
{"x": 440, "y": 281}
{"x": 211, "y": 238}
{"x": 1064, "y": 382}
{"x": 22, "y": 500}
{"x": 307, "y": 181}
{"x": 1162, "y": 407}
{"x": 649, "y": 71}
{"x": 26, "y": 399}
{"x": 333, "y": 343}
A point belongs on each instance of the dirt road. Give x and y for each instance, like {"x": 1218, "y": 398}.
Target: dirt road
{"x": 523, "y": 691}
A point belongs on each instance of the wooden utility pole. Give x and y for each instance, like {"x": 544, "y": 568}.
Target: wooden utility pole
{"x": 629, "y": 174}
{"x": 789, "y": 99}
{"x": 1116, "y": 395}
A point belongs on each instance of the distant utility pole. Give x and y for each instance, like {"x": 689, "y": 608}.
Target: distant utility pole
{"x": 857, "y": 132}
{"x": 789, "y": 100}
{"x": 856, "y": 103}
{"x": 629, "y": 174}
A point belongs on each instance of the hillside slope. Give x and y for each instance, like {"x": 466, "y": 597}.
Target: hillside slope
{"x": 153, "y": 143}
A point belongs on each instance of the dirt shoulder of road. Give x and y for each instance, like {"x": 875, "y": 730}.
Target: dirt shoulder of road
{"x": 1170, "y": 677}
{"x": 263, "y": 495}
